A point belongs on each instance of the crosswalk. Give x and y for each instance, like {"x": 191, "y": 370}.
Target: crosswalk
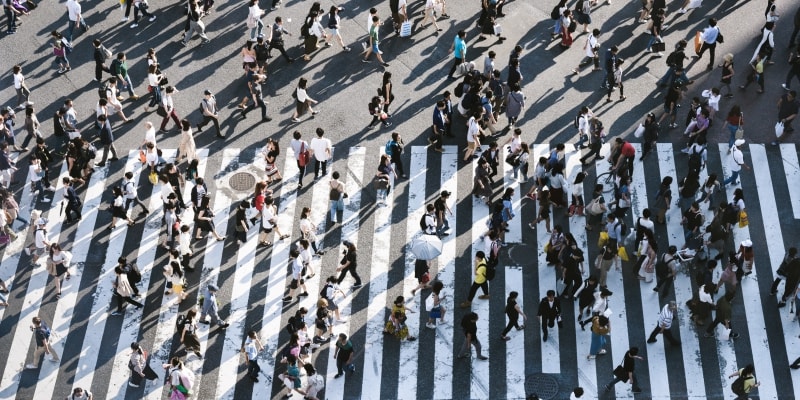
{"x": 94, "y": 346}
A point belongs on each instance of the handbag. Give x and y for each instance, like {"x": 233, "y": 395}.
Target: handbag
{"x": 623, "y": 254}
{"x": 743, "y": 221}
{"x": 658, "y": 47}
{"x": 153, "y": 177}
{"x": 779, "y": 129}
{"x": 622, "y": 203}
{"x": 303, "y": 158}
{"x": 405, "y": 29}
{"x": 603, "y": 239}
{"x": 594, "y": 207}
{"x": 547, "y": 247}
{"x": 513, "y": 159}
{"x": 698, "y": 41}
{"x": 161, "y": 111}
{"x": 639, "y": 132}
{"x": 142, "y": 157}
{"x": 620, "y": 373}
{"x": 739, "y": 130}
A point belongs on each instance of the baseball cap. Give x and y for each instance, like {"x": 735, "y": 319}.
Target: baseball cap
{"x": 738, "y": 142}
{"x": 207, "y": 92}
{"x": 445, "y": 193}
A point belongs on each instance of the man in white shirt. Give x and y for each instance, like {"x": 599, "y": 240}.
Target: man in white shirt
{"x": 130, "y": 193}
{"x": 735, "y": 163}
{"x": 591, "y": 52}
{"x": 665, "y": 318}
{"x": 75, "y": 18}
{"x": 709, "y": 35}
{"x": 23, "y": 93}
{"x": 321, "y": 150}
{"x": 584, "y": 129}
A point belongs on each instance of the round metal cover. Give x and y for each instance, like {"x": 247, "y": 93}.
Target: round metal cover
{"x": 242, "y": 181}
{"x": 542, "y": 385}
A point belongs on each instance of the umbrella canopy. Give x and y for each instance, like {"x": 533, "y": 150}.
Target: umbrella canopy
{"x": 426, "y": 247}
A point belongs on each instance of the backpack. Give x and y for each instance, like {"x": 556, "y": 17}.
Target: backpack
{"x": 572, "y": 26}
{"x": 490, "y": 272}
{"x": 422, "y": 223}
{"x": 371, "y": 109}
{"x": 671, "y": 58}
{"x": 180, "y": 323}
{"x": 103, "y": 91}
{"x": 91, "y": 151}
{"x": 134, "y": 275}
{"x": 389, "y": 147}
{"x": 261, "y": 52}
{"x": 45, "y": 330}
{"x": 737, "y": 387}
{"x": 662, "y": 268}
{"x": 555, "y": 14}
{"x": 316, "y": 381}
{"x": 577, "y": 122}
{"x": 696, "y": 159}
{"x": 623, "y": 230}
{"x": 290, "y": 325}
{"x": 323, "y": 294}
{"x": 304, "y": 30}
{"x": 459, "y": 90}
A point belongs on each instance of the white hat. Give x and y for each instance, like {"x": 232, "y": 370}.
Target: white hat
{"x": 747, "y": 243}
{"x": 738, "y": 142}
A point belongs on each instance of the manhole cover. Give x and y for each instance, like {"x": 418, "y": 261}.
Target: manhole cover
{"x": 242, "y": 181}
{"x": 541, "y": 385}
{"x": 523, "y": 254}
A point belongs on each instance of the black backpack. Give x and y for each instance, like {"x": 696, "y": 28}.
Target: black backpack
{"x": 134, "y": 275}
{"x": 737, "y": 387}
{"x": 490, "y": 271}
{"x": 662, "y": 268}
{"x": 671, "y": 58}
{"x": 103, "y": 91}
{"x": 623, "y": 230}
{"x": 180, "y": 323}
{"x": 422, "y": 223}
{"x": 323, "y": 294}
{"x": 304, "y": 30}
{"x": 290, "y": 325}
{"x": 696, "y": 159}
{"x": 555, "y": 14}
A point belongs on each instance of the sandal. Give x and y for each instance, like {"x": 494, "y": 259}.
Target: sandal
{"x": 131, "y": 223}
{"x": 267, "y": 244}
{"x": 68, "y": 276}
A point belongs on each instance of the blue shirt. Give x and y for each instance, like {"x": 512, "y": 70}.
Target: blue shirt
{"x": 459, "y": 48}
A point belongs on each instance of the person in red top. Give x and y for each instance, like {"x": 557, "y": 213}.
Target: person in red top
{"x": 258, "y": 199}
{"x": 626, "y": 155}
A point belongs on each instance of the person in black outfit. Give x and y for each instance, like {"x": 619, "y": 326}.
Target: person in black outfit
{"x": 107, "y": 139}
{"x": 348, "y": 264}
{"x": 573, "y": 270}
{"x": 550, "y": 313}
{"x": 470, "y": 327}
{"x": 513, "y": 312}
{"x": 101, "y": 55}
{"x": 73, "y": 201}
{"x": 241, "y": 221}
{"x": 276, "y": 38}
{"x": 650, "y": 135}
{"x": 596, "y": 140}
{"x": 397, "y": 150}
{"x": 258, "y": 98}
{"x": 627, "y": 373}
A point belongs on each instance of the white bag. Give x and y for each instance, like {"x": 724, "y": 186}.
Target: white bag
{"x": 429, "y": 303}
{"x": 639, "y": 132}
{"x": 464, "y": 68}
{"x": 498, "y": 30}
{"x": 405, "y": 29}
{"x": 779, "y": 129}
{"x": 726, "y": 334}
{"x": 694, "y": 4}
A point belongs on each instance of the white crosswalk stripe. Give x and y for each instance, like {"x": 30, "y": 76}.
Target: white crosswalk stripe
{"x": 262, "y": 275}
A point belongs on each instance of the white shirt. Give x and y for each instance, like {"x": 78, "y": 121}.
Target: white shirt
{"x": 736, "y": 160}
{"x": 297, "y": 268}
{"x": 647, "y": 224}
{"x": 18, "y": 80}
{"x": 184, "y": 241}
{"x": 74, "y": 10}
{"x": 40, "y": 238}
{"x": 166, "y": 190}
{"x": 128, "y": 189}
{"x": 255, "y": 12}
{"x": 591, "y": 43}
{"x": 297, "y": 145}
{"x": 306, "y": 226}
{"x": 151, "y": 157}
{"x": 152, "y": 79}
{"x": 267, "y": 213}
{"x": 302, "y": 96}
{"x": 583, "y": 124}
{"x": 472, "y": 130}
{"x": 150, "y": 136}
{"x": 119, "y": 201}
{"x": 166, "y": 101}
{"x": 33, "y": 174}
{"x": 316, "y": 28}
{"x": 319, "y": 146}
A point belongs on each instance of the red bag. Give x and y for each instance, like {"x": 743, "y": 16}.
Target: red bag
{"x": 304, "y": 156}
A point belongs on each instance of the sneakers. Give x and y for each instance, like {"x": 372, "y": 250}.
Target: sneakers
{"x": 123, "y": 19}
{"x": 153, "y": 18}
{"x": 31, "y": 366}
{"x": 484, "y": 297}
{"x": 483, "y": 358}
{"x": 356, "y": 286}
{"x": 115, "y": 313}
{"x": 134, "y": 25}
{"x": 132, "y": 385}
{"x": 430, "y": 326}
{"x": 364, "y": 60}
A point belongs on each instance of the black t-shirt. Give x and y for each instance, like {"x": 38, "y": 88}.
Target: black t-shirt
{"x": 439, "y": 205}
{"x": 469, "y": 326}
{"x": 788, "y": 107}
{"x": 672, "y": 97}
{"x": 511, "y": 309}
{"x": 350, "y": 256}
{"x": 629, "y": 363}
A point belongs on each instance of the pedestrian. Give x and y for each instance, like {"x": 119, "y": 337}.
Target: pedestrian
{"x": 58, "y": 266}
{"x": 276, "y": 38}
{"x": 585, "y": 296}
{"x": 378, "y": 115}
{"x": 23, "y": 93}
{"x": 257, "y": 94}
{"x": 568, "y": 26}
{"x": 439, "y": 126}
{"x": 210, "y": 307}
{"x": 794, "y": 63}
{"x": 107, "y": 140}
{"x": 123, "y": 291}
{"x": 783, "y": 269}
{"x": 513, "y": 311}
{"x": 766, "y": 44}
{"x": 252, "y": 346}
{"x": 11, "y": 16}
{"x": 549, "y": 313}
{"x": 374, "y": 42}
{"x": 617, "y": 82}
{"x": 313, "y": 31}
{"x": 80, "y": 394}
{"x": 396, "y": 325}
{"x": 435, "y": 305}
{"x": 515, "y": 104}
{"x": 666, "y": 271}
{"x": 329, "y": 293}
{"x": 118, "y": 209}
{"x": 129, "y": 190}
{"x": 113, "y": 99}
{"x": 314, "y": 383}
{"x": 665, "y": 319}
{"x": 303, "y": 101}
{"x": 479, "y": 281}
{"x": 254, "y": 19}
{"x": 442, "y": 209}
{"x": 75, "y": 18}
{"x": 298, "y": 271}
{"x": 626, "y": 372}
{"x": 347, "y": 264}
{"x": 394, "y": 149}
{"x": 745, "y": 382}
{"x": 140, "y": 6}
{"x": 334, "y": 23}
{"x": 189, "y": 338}
{"x": 735, "y": 163}
{"x": 309, "y": 231}
{"x": 74, "y": 202}
{"x": 42, "y": 335}
{"x": 459, "y": 49}
{"x": 470, "y": 328}
{"x": 756, "y": 73}
{"x": 119, "y": 69}
{"x": 709, "y": 38}
{"x": 36, "y": 174}
{"x": 788, "y": 107}
{"x": 601, "y": 327}
{"x": 792, "y": 273}
{"x": 32, "y": 125}
{"x": 271, "y": 152}
{"x": 383, "y": 177}
{"x": 210, "y": 112}
{"x": 727, "y": 74}
{"x": 204, "y": 221}
{"x": 195, "y": 24}
{"x": 242, "y": 225}
{"x": 61, "y": 57}
{"x": 344, "y": 355}
{"x": 269, "y": 221}
{"x": 40, "y": 243}
{"x": 139, "y": 366}
{"x": 321, "y": 150}
{"x": 336, "y": 196}
{"x": 167, "y": 110}
{"x": 735, "y": 124}
{"x": 180, "y": 378}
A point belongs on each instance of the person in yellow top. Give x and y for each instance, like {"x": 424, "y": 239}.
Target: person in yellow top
{"x": 480, "y": 280}
{"x": 756, "y": 74}
{"x": 745, "y": 381}
{"x": 396, "y": 325}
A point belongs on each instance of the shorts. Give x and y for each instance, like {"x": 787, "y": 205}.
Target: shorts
{"x": 332, "y": 306}
{"x": 294, "y": 284}
{"x": 672, "y": 112}
{"x": 266, "y": 230}
{"x": 375, "y": 49}
{"x": 471, "y": 145}
{"x": 334, "y": 31}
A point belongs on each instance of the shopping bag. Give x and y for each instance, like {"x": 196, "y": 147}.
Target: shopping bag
{"x": 142, "y": 157}
{"x": 405, "y": 29}
{"x": 779, "y": 129}
{"x": 659, "y": 47}
{"x": 726, "y": 334}
{"x": 547, "y": 247}
{"x": 153, "y": 177}
{"x": 498, "y": 30}
{"x": 694, "y": 4}
{"x": 603, "y": 239}
{"x": 698, "y": 41}
{"x": 743, "y": 222}
{"x": 639, "y": 132}
{"x": 623, "y": 254}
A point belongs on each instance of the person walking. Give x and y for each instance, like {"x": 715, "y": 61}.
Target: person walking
{"x": 665, "y": 318}
{"x": 314, "y": 383}
{"x": 42, "y": 334}
{"x": 275, "y": 39}
{"x": 745, "y": 382}
{"x": 23, "y": 93}
{"x": 626, "y": 371}
{"x": 74, "y": 202}
{"x": 735, "y": 163}
{"x": 336, "y": 196}
{"x": 139, "y": 366}
{"x": 301, "y": 154}
{"x": 788, "y": 108}
{"x": 303, "y": 101}
{"x": 167, "y": 110}
{"x": 470, "y": 328}
{"x": 334, "y": 23}
{"x": 374, "y": 41}
{"x": 344, "y": 354}
{"x": 107, "y": 140}
{"x": 210, "y": 112}
{"x": 394, "y": 149}
{"x": 195, "y": 24}
{"x": 435, "y": 305}
{"x": 210, "y": 306}
{"x": 75, "y": 18}
{"x": 549, "y": 313}
{"x": 459, "y": 49}
{"x": 252, "y": 346}
{"x": 321, "y": 149}
{"x": 709, "y": 37}
{"x": 783, "y": 270}
{"x": 479, "y": 281}
{"x": 794, "y": 65}
{"x": 119, "y": 69}
{"x": 140, "y": 6}
{"x": 80, "y": 394}
{"x": 601, "y": 327}
{"x": 257, "y": 94}
{"x": 723, "y": 316}
{"x": 513, "y": 311}
{"x": 189, "y": 337}
{"x": 441, "y": 208}
{"x": 348, "y": 264}
{"x": 123, "y": 291}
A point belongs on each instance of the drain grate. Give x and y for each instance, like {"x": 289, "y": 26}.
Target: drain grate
{"x": 542, "y": 385}
{"x": 242, "y": 181}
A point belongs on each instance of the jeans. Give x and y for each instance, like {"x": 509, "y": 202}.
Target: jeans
{"x": 320, "y": 164}
{"x": 11, "y": 19}
{"x": 155, "y": 99}
{"x": 598, "y": 341}
{"x": 793, "y": 73}
{"x": 128, "y": 85}
{"x": 732, "y": 129}
{"x": 71, "y": 26}
{"x": 334, "y": 208}
{"x": 557, "y": 27}
{"x": 256, "y": 31}
{"x": 733, "y": 178}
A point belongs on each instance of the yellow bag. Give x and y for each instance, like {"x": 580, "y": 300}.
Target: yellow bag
{"x": 743, "y": 219}
{"x": 698, "y": 42}
{"x": 153, "y": 177}
{"x": 603, "y": 239}
{"x": 547, "y": 247}
{"x": 623, "y": 254}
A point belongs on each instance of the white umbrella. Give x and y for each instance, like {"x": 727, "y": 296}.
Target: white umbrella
{"x": 426, "y": 247}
